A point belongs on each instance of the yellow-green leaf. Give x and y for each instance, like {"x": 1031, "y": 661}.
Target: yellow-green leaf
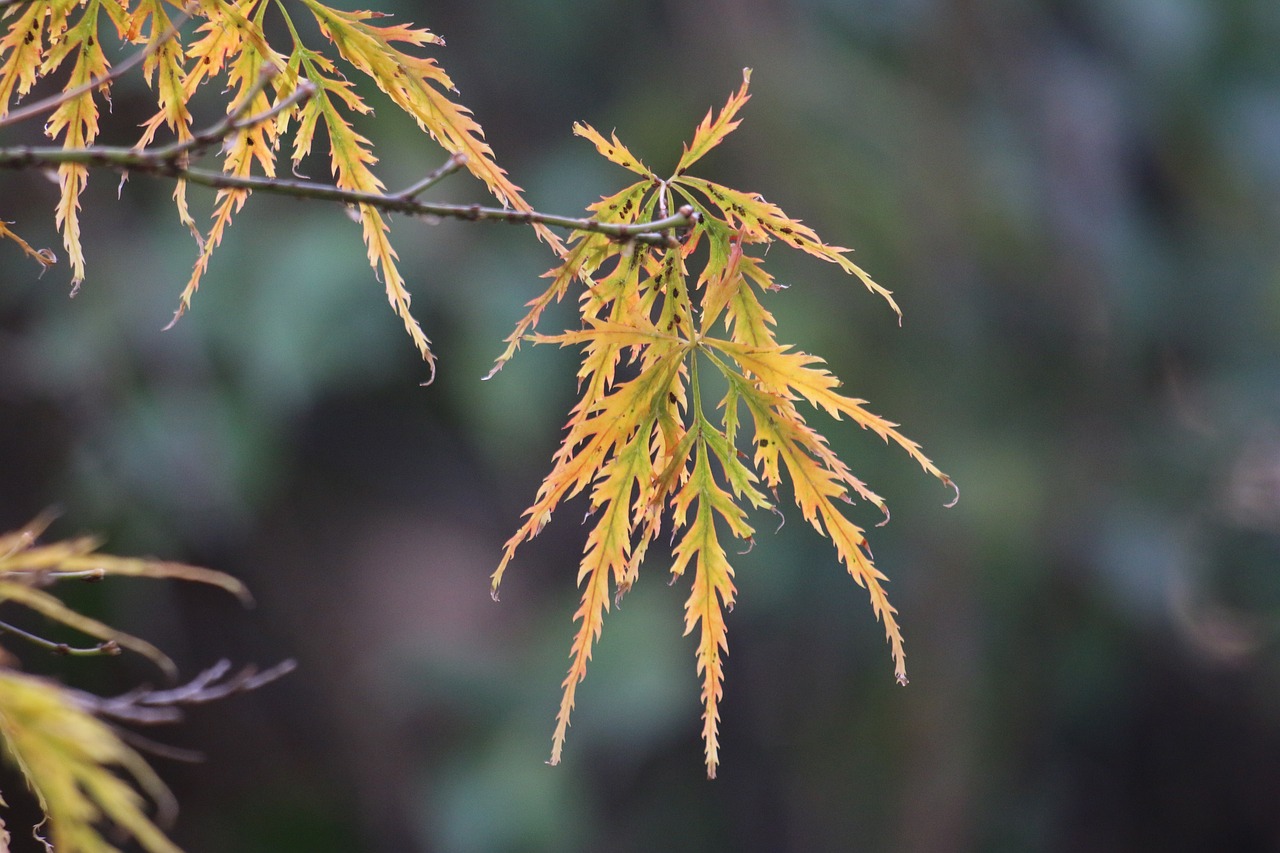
{"x": 72, "y": 763}
{"x": 710, "y": 134}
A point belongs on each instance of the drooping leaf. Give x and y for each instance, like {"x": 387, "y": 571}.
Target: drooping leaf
{"x": 640, "y": 438}
{"x": 417, "y": 84}
{"x": 75, "y": 121}
{"x": 72, "y": 761}
{"x": 761, "y": 218}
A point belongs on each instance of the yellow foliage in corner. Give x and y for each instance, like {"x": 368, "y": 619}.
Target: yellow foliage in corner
{"x": 71, "y": 760}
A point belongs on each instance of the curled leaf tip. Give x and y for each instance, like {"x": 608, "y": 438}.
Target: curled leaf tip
{"x": 885, "y": 521}
{"x": 902, "y": 678}
{"x": 177, "y": 315}
{"x": 955, "y": 500}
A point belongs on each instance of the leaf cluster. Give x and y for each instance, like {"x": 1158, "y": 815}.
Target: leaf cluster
{"x": 281, "y": 91}
{"x": 646, "y": 445}
{"x": 671, "y": 272}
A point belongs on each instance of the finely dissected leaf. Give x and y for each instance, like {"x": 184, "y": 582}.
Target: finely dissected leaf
{"x": 414, "y": 84}
{"x": 713, "y": 590}
{"x": 586, "y": 253}
{"x": 760, "y": 219}
{"x": 21, "y": 49}
{"x": 710, "y": 134}
{"x": 640, "y": 437}
{"x": 236, "y": 41}
{"x": 782, "y": 372}
{"x": 613, "y": 150}
{"x": 44, "y": 257}
{"x": 164, "y": 69}
{"x": 231, "y": 46}
{"x": 71, "y": 760}
{"x": 76, "y": 122}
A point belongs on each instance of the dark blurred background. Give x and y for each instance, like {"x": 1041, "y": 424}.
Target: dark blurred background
{"x": 1075, "y": 203}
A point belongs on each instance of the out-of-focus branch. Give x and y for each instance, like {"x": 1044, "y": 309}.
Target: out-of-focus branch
{"x": 153, "y": 707}
{"x": 107, "y": 647}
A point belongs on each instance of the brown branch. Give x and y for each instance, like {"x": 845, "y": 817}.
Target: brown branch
{"x": 166, "y": 162}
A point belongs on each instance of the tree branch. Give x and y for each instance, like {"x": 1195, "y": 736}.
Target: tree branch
{"x": 167, "y": 162}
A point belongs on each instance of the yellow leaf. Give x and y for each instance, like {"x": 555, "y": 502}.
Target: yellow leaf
{"x": 414, "y": 84}
{"x": 613, "y": 150}
{"x": 761, "y": 218}
{"x": 713, "y": 591}
{"x": 76, "y": 121}
{"x": 71, "y": 760}
{"x": 783, "y": 372}
{"x": 710, "y": 134}
{"x": 22, "y": 49}
{"x": 44, "y": 257}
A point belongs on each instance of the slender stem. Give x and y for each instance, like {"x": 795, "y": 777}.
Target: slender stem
{"x": 109, "y": 647}
{"x": 235, "y": 120}
{"x": 448, "y": 167}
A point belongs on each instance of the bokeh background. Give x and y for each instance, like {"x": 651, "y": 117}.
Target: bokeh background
{"x": 1075, "y": 202}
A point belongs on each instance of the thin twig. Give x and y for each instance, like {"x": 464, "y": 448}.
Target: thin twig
{"x": 454, "y": 163}
{"x": 154, "y": 747}
{"x": 89, "y": 575}
{"x": 108, "y": 647}
{"x": 59, "y": 98}
{"x": 235, "y": 120}
{"x": 153, "y": 707}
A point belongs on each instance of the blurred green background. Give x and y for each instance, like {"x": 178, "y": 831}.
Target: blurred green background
{"x": 1075, "y": 203}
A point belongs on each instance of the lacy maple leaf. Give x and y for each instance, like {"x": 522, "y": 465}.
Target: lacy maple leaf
{"x": 648, "y": 447}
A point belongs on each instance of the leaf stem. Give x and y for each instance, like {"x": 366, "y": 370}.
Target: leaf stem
{"x": 235, "y": 120}
{"x": 455, "y": 162}
{"x": 108, "y": 647}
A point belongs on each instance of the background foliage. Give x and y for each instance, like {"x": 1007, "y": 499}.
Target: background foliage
{"x": 1075, "y": 204}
